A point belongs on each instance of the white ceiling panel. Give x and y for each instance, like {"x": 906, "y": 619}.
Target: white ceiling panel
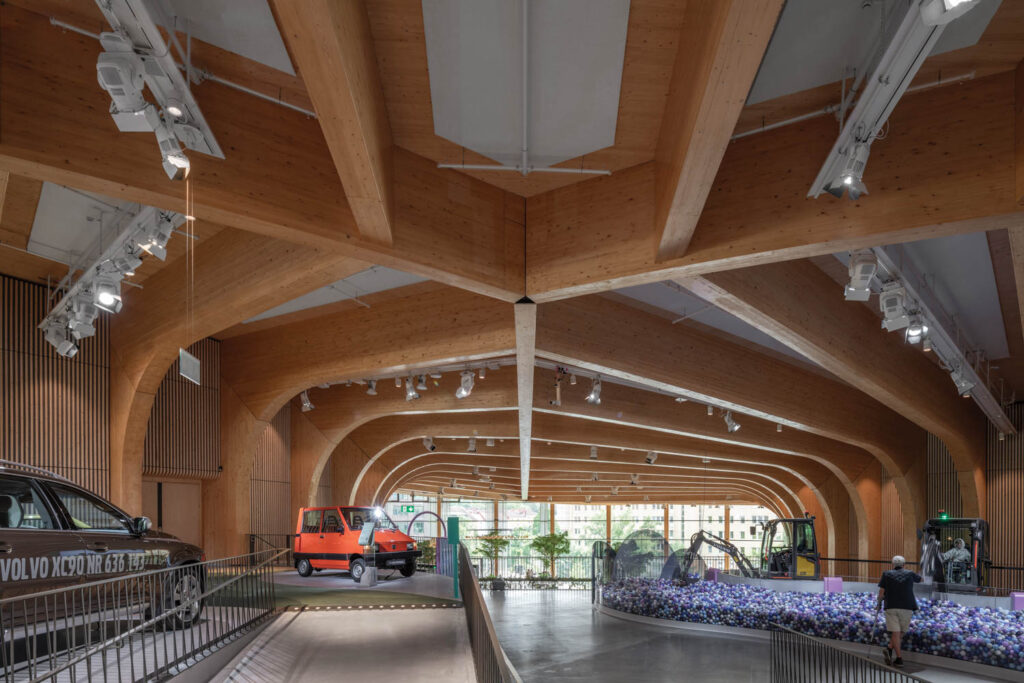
{"x": 575, "y": 55}
{"x": 72, "y": 226}
{"x": 245, "y": 27}
{"x": 817, "y": 41}
{"x": 374, "y": 279}
{"x": 683, "y": 303}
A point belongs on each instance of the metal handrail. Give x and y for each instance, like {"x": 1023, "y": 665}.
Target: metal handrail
{"x": 488, "y": 656}
{"x": 48, "y": 636}
{"x": 800, "y": 658}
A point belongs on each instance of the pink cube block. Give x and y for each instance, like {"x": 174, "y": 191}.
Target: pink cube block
{"x": 833, "y": 584}
{"x": 713, "y": 574}
{"x": 1017, "y": 601}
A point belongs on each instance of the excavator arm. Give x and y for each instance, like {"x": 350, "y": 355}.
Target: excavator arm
{"x": 702, "y": 537}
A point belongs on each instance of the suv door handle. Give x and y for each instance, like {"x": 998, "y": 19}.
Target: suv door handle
{"x": 99, "y": 546}
{"x": 6, "y": 547}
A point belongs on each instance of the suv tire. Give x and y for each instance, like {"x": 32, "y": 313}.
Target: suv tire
{"x": 409, "y": 568}
{"x": 304, "y": 567}
{"x": 357, "y": 567}
{"x": 183, "y": 587}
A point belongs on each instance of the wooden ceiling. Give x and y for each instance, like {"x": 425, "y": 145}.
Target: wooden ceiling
{"x": 299, "y": 203}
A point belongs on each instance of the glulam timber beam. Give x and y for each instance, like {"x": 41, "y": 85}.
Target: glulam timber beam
{"x": 431, "y": 325}
{"x": 616, "y": 340}
{"x": 333, "y": 48}
{"x": 721, "y": 45}
{"x": 798, "y": 304}
{"x": 278, "y": 177}
{"x": 235, "y": 275}
{"x": 19, "y": 197}
{"x": 945, "y": 168}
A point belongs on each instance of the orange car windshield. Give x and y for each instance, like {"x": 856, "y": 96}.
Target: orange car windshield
{"x": 355, "y": 517}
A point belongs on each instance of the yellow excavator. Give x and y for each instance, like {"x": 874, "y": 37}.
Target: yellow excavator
{"x": 789, "y": 549}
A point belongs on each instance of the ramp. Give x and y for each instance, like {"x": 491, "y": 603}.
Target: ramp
{"x": 358, "y": 644}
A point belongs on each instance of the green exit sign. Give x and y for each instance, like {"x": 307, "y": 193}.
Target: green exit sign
{"x": 407, "y": 508}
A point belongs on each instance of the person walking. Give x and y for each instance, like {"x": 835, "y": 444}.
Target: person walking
{"x": 896, "y": 592}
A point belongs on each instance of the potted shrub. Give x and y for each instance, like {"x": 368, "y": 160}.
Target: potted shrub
{"x": 551, "y": 546}
{"x": 491, "y": 547}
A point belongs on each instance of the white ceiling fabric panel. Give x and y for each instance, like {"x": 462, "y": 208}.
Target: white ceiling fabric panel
{"x": 575, "y": 55}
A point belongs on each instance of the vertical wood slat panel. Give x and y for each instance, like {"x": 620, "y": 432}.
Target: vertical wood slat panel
{"x": 325, "y": 488}
{"x": 53, "y": 410}
{"x": 943, "y": 487}
{"x": 183, "y": 433}
{"x": 270, "y": 486}
{"x": 891, "y": 517}
{"x": 1005, "y": 513}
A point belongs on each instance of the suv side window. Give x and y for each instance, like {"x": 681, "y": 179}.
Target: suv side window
{"x": 21, "y": 506}
{"x": 87, "y": 512}
{"x": 311, "y": 521}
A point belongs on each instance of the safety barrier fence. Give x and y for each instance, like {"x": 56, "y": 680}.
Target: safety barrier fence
{"x": 533, "y": 567}
{"x": 1002, "y": 580}
{"x": 798, "y": 658}
{"x": 260, "y": 542}
{"x": 488, "y": 657}
{"x": 141, "y": 627}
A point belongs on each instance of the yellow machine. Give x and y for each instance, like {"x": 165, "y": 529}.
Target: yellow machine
{"x": 789, "y": 550}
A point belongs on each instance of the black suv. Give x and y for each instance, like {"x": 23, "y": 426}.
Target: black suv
{"x": 55, "y": 534}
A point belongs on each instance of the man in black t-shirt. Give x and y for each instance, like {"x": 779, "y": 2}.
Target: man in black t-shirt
{"x": 896, "y": 590}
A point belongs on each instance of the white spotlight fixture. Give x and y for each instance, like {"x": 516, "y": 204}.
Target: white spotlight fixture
{"x": 83, "y": 316}
{"x": 681, "y": 399}
{"x": 615, "y": 490}
{"x": 471, "y": 447}
{"x": 1002, "y": 436}
{"x": 926, "y": 345}
{"x": 963, "y": 385}
{"x": 579, "y": 489}
{"x": 587, "y": 498}
{"x": 410, "y": 391}
{"x": 595, "y": 477}
{"x": 884, "y": 83}
{"x": 371, "y": 387}
{"x": 107, "y": 292}
{"x": 892, "y": 303}
{"x": 435, "y": 375}
{"x": 490, "y": 443}
{"x": 651, "y": 457}
{"x": 483, "y": 372}
{"x": 572, "y": 379}
{"x": 476, "y": 471}
{"x": 778, "y": 426}
{"x": 428, "y": 443}
{"x": 593, "y": 452}
{"x": 155, "y": 232}
{"x": 307, "y": 405}
{"x": 398, "y": 383}
{"x": 711, "y": 410}
{"x": 421, "y": 383}
{"x": 634, "y": 479}
{"x": 59, "y": 337}
{"x": 732, "y": 425}
{"x": 466, "y": 382}
{"x": 862, "y": 268}
{"x": 916, "y": 330}
{"x": 491, "y": 485}
{"x": 594, "y": 397}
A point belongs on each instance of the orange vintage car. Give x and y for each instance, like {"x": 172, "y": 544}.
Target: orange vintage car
{"x": 328, "y": 538}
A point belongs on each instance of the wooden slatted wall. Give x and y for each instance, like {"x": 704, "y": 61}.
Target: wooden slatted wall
{"x": 271, "y": 487}
{"x": 53, "y": 410}
{"x": 325, "y": 490}
{"x": 1005, "y": 478}
{"x": 943, "y": 488}
{"x": 892, "y": 518}
{"x": 183, "y": 434}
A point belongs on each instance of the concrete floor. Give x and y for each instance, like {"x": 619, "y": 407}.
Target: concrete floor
{"x": 556, "y": 636}
{"x": 372, "y": 645}
{"x": 420, "y": 583}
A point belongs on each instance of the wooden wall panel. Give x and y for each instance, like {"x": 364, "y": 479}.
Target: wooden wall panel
{"x": 183, "y": 434}
{"x": 270, "y": 489}
{"x": 325, "y": 490}
{"x": 1005, "y": 513}
{"x": 891, "y": 519}
{"x": 943, "y": 490}
{"x": 53, "y": 410}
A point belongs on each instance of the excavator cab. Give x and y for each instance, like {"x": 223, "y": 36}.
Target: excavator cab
{"x": 954, "y": 553}
{"x": 789, "y": 550}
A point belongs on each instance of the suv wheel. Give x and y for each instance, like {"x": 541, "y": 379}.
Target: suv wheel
{"x": 356, "y": 567}
{"x": 305, "y": 567}
{"x": 183, "y": 590}
{"x": 409, "y": 568}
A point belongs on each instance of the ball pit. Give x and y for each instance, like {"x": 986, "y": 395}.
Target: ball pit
{"x": 976, "y": 634}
